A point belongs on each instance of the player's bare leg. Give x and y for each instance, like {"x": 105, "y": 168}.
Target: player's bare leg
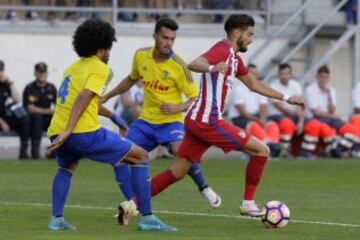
{"x": 196, "y": 174}
{"x": 259, "y": 153}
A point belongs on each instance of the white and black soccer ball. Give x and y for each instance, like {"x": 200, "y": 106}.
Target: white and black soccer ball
{"x": 277, "y": 214}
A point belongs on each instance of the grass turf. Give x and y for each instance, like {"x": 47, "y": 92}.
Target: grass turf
{"x": 316, "y": 191}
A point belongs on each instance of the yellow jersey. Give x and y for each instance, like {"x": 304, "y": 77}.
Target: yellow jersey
{"x": 163, "y": 82}
{"x": 86, "y": 73}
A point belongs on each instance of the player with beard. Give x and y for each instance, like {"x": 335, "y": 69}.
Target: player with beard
{"x": 204, "y": 124}
{"x": 165, "y": 79}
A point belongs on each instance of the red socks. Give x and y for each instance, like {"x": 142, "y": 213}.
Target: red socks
{"x": 161, "y": 181}
{"x": 254, "y": 172}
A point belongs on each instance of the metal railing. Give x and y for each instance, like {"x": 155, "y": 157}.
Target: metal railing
{"x": 345, "y": 37}
{"x": 307, "y": 38}
{"x": 353, "y": 31}
{"x": 114, "y": 10}
{"x": 276, "y": 34}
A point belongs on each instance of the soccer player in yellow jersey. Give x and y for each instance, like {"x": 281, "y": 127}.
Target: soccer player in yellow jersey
{"x": 165, "y": 78}
{"x": 75, "y": 131}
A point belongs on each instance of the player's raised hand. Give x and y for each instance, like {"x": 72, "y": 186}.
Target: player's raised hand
{"x": 220, "y": 67}
{"x": 168, "y": 108}
{"x": 59, "y": 140}
{"x": 296, "y": 100}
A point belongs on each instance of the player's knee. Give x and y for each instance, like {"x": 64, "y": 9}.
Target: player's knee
{"x": 72, "y": 168}
{"x": 264, "y": 150}
{"x": 179, "y": 172}
{"x": 180, "y": 168}
{"x": 143, "y": 156}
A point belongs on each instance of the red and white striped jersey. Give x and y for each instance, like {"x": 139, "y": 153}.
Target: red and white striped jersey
{"x": 215, "y": 87}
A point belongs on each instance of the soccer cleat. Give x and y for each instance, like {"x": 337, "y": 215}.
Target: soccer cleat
{"x": 127, "y": 210}
{"x": 251, "y": 210}
{"x": 58, "y": 223}
{"x": 212, "y": 197}
{"x": 152, "y": 223}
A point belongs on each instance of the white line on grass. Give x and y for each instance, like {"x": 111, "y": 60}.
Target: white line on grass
{"x": 179, "y": 213}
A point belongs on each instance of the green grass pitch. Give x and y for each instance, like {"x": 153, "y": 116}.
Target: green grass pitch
{"x": 323, "y": 197}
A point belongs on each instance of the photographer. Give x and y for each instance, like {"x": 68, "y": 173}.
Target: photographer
{"x": 12, "y": 115}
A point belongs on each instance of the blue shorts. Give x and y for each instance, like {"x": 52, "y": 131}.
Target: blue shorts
{"x": 149, "y": 136}
{"x": 101, "y": 145}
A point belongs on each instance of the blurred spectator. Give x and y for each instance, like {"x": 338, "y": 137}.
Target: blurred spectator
{"x": 287, "y": 116}
{"x": 39, "y": 98}
{"x": 356, "y": 99}
{"x": 321, "y": 101}
{"x": 181, "y": 4}
{"x": 350, "y": 9}
{"x": 12, "y": 115}
{"x": 250, "y": 4}
{"x": 68, "y": 15}
{"x": 89, "y": 3}
{"x": 248, "y": 110}
{"x": 129, "y": 104}
{"x": 129, "y": 17}
{"x": 216, "y": 4}
{"x": 11, "y": 14}
{"x": 32, "y": 15}
{"x": 355, "y": 118}
{"x": 162, "y": 4}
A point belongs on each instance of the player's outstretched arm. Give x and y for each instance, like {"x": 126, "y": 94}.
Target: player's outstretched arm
{"x": 201, "y": 65}
{"x": 122, "y": 87}
{"x": 81, "y": 103}
{"x": 259, "y": 87}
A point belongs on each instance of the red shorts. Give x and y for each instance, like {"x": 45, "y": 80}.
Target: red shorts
{"x": 200, "y": 136}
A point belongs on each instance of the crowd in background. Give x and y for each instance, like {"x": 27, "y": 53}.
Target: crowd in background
{"x": 350, "y": 8}
{"x": 129, "y": 16}
{"x": 30, "y": 114}
{"x": 288, "y": 132}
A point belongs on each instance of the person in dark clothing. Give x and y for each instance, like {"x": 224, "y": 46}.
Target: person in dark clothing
{"x": 12, "y": 115}
{"x": 39, "y": 98}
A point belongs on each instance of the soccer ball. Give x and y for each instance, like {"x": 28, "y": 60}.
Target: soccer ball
{"x": 277, "y": 214}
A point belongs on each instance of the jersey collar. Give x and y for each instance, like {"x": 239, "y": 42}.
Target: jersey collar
{"x": 151, "y": 53}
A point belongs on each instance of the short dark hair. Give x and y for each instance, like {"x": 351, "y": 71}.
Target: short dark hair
{"x": 93, "y": 35}
{"x": 323, "y": 69}
{"x": 283, "y": 66}
{"x": 166, "y": 23}
{"x": 40, "y": 67}
{"x": 236, "y": 21}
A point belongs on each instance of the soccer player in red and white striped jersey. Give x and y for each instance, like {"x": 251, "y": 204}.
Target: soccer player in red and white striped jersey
{"x": 204, "y": 124}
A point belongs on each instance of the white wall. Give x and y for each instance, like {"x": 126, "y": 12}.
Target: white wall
{"x": 21, "y": 51}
